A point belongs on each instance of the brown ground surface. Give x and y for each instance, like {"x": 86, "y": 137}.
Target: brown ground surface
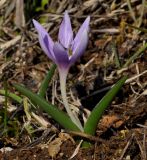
{"x": 122, "y": 131}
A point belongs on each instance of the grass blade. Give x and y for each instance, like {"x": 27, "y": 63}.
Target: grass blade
{"x": 132, "y": 58}
{"x": 131, "y": 11}
{"x": 58, "y": 115}
{"x": 137, "y": 28}
{"x": 97, "y": 112}
{"x": 44, "y": 85}
{"x": 11, "y": 95}
{"x": 114, "y": 50}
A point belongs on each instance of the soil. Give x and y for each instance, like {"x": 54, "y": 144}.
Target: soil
{"x": 114, "y": 37}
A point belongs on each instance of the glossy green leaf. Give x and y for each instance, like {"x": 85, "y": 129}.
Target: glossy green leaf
{"x": 58, "y": 115}
{"x": 92, "y": 121}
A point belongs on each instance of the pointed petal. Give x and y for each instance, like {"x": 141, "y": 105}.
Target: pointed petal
{"x": 44, "y": 39}
{"x": 80, "y": 47}
{"x": 65, "y": 31}
{"x": 80, "y": 42}
{"x": 61, "y": 56}
{"x": 85, "y": 26}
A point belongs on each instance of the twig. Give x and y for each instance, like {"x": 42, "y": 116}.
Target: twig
{"x": 126, "y": 147}
{"x": 84, "y": 135}
{"x": 142, "y": 146}
{"x": 9, "y": 43}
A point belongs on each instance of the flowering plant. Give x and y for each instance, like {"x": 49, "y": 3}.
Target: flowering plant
{"x": 64, "y": 53}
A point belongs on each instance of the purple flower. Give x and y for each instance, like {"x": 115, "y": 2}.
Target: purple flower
{"x": 67, "y": 50}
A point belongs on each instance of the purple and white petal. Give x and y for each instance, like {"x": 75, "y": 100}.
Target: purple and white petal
{"x": 46, "y": 45}
{"x": 65, "y": 35}
{"x": 44, "y": 39}
{"x": 61, "y": 56}
{"x": 85, "y": 26}
{"x": 80, "y": 47}
{"x": 41, "y": 30}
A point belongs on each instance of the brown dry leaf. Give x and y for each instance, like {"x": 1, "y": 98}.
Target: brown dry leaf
{"x": 111, "y": 120}
{"x": 12, "y": 141}
{"x": 54, "y": 147}
{"x": 19, "y": 16}
{"x": 144, "y": 92}
{"x": 101, "y": 43}
{"x": 65, "y": 137}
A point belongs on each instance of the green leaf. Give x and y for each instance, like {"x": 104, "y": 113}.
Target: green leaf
{"x": 11, "y": 95}
{"x": 47, "y": 79}
{"x": 135, "y": 55}
{"x": 92, "y": 121}
{"x": 52, "y": 110}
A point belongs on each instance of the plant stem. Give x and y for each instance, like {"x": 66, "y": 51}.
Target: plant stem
{"x": 73, "y": 117}
{"x": 131, "y": 11}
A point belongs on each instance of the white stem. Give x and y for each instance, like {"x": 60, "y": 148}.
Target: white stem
{"x": 74, "y": 118}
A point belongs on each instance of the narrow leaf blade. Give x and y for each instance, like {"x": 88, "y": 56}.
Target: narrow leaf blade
{"x": 52, "y": 110}
{"x": 11, "y": 95}
{"x": 92, "y": 121}
{"x": 91, "y": 124}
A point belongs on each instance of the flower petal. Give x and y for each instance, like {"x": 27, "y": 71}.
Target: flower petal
{"x": 44, "y": 39}
{"x": 65, "y": 31}
{"x": 61, "y": 56}
{"x": 79, "y": 47}
{"x": 85, "y": 26}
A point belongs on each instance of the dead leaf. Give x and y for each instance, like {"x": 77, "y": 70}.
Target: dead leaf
{"x": 110, "y": 120}
{"x": 54, "y": 147}
{"x": 101, "y": 43}
{"x": 19, "y": 16}
{"x": 65, "y": 137}
{"x": 144, "y": 92}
